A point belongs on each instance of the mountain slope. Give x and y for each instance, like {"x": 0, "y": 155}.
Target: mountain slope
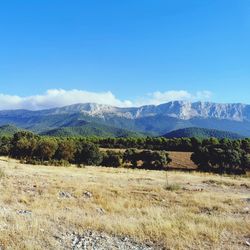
{"x": 91, "y": 129}
{"x": 202, "y": 133}
{"x": 8, "y": 130}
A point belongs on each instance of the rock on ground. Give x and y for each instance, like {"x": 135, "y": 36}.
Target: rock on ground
{"x": 101, "y": 241}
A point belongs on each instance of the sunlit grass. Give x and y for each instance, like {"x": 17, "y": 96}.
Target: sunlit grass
{"x": 197, "y": 211}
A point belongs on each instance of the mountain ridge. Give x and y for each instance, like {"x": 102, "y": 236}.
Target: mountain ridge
{"x": 184, "y": 110}
{"x": 152, "y": 119}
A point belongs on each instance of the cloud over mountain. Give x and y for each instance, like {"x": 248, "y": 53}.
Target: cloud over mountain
{"x": 60, "y": 97}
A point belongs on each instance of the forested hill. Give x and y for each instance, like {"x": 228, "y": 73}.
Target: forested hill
{"x": 8, "y": 130}
{"x": 91, "y": 129}
{"x": 202, "y": 133}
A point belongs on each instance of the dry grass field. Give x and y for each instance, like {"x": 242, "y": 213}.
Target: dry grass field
{"x": 41, "y": 207}
{"x": 181, "y": 160}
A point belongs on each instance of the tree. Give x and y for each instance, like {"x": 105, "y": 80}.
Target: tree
{"x": 161, "y": 159}
{"x": 130, "y": 156}
{"x": 66, "y": 150}
{"x": 245, "y": 162}
{"x": 111, "y": 159}
{"x": 46, "y": 149}
{"x": 154, "y": 159}
{"x": 245, "y": 145}
{"x": 5, "y": 146}
{"x": 88, "y": 154}
{"x": 225, "y": 157}
{"x": 23, "y": 145}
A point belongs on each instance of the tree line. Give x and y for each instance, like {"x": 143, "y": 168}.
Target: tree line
{"x": 212, "y": 155}
{"x": 224, "y": 156}
{"x": 34, "y": 149}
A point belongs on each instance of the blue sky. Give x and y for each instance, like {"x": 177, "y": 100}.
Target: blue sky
{"x": 136, "y": 50}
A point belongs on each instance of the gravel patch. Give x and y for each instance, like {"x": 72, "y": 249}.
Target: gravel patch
{"x": 101, "y": 241}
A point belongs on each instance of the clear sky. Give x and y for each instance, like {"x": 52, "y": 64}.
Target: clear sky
{"x": 139, "y": 50}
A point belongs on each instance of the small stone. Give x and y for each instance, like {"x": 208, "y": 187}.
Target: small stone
{"x": 63, "y": 194}
{"x": 100, "y": 210}
{"x": 88, "y": 194}
{"x": 246, "y": 209}
{"x": 24, "y": 212}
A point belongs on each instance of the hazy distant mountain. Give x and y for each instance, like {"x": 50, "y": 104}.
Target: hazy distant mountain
{"x": 151, "y": 119}
{"x": 202, "y": 133}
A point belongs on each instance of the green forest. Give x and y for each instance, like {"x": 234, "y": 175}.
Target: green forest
{"x": 211, "y": 155}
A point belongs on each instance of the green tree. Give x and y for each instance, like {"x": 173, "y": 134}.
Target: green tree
{"x": 66, "y": 150}
{"x": 23, "y": 145}
{"x": 88, "y": 154}
{"x": 5, "y": 146}
{"x": 111, "y": 159}
{"x": 130, "y": 156}
{"x": 46, "y": 149}
{"x": 225, "y": 157}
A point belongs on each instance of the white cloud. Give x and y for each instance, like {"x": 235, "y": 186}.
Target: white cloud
{"x": 59, "y": 97}
{"x": 158, "y": 97}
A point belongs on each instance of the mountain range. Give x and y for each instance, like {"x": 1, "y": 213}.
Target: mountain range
{"x": 148, "y": 120}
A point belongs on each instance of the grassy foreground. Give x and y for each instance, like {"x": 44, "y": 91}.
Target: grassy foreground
{"x": 39, "y": 204}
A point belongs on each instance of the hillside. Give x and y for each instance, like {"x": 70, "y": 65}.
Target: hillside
{"x": 91, "y": 129}
{"x": 202, "y": 133}
{"x": 8, "y": 130}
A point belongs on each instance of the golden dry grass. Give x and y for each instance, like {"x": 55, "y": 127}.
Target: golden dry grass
{"x": 206, "y": 212}
{"x": 181, "y": 160}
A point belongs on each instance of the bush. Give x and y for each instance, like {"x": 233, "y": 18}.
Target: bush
{"x": 23, "y": 145}
{"x": 173, "y": 187}
{"x": 226, "y": 157}
{"x": 150, "y": 159}
{"x": 46, "y": 149}
{"x": 32, "y": 162}
{"x": 46, "y": 163}
{"x": 66, "y": 150}
{"x": 58, "y": 163}
{"x": 5, "y": 146}
{"x": 87, "y": 154}
{"x": 111, "y": 159}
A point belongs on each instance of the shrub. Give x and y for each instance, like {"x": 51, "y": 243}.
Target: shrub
{"x": 225, "y": 157}
{"x": 46, "y": 149}
{"x": 23, "y": 145}
{"x": 66, "y": 150}
{"x": 58, "y": 163}
{"x": 173, "y": 187}
{"x": 87, "y": 154}
{"x": 111, "y": 159}
{"x": 5, "y": 146}
{"x": 150, "y": 159}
